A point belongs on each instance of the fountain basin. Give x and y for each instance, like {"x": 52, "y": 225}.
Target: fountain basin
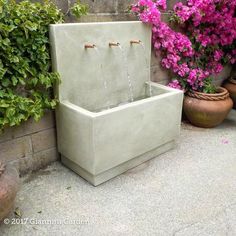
{"x": 101, "y": 132}
{"x": 99, "y": 146}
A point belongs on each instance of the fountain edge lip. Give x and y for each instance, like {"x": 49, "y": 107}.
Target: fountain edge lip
{"x": 99, "y": 23}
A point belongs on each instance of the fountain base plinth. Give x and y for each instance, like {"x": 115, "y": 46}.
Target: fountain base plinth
{"x": 113, "y": 172}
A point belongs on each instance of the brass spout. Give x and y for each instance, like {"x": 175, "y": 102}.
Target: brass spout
{"x": 89, "y": 45}
{"x": 135, "y": 41}
{"x": 114, "y": 44}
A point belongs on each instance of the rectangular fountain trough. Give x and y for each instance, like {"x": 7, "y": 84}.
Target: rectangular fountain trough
{"x": 110, "y": 117}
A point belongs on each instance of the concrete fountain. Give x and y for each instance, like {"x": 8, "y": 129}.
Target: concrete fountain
{"x": 110, "y": 116}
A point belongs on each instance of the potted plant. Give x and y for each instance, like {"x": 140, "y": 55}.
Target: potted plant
{"x": 207, "y": 110}
{"x": 195, "y": 56}
{"x": 9, "y": 185}
{"x": 230, "y": 85}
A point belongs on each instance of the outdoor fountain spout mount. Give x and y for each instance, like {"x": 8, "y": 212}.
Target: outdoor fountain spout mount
{"x": 116, "y": 44}
{"x": 135, "y": 41}
{"x": 89, "y": 45}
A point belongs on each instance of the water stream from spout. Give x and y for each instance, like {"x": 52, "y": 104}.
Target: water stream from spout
{"x": 147, "y": 69}
{"x": 125, "y": 62}
{"x": 103, "y": 78}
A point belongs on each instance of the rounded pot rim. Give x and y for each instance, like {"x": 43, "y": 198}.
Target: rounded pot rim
{"x": 221, "y": 94}
{"x": 232, "y": 80}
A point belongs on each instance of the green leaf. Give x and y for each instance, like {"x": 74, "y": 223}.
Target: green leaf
{"x": 2, "y": 72}
{"x": 6, "y": 82}
{"x": 14, "y": 81}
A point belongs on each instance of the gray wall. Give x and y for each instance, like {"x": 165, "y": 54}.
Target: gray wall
{"x": 31, "y": 145}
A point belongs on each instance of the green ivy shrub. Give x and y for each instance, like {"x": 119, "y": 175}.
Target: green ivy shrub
{"x": 26, "y": 79}
{"x": 25, "y": 66}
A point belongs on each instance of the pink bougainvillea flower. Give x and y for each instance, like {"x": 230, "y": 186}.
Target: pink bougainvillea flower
{"x": 209, "y": 44}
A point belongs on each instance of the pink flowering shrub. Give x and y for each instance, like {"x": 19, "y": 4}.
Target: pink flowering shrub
{"x": 209, "y": 42}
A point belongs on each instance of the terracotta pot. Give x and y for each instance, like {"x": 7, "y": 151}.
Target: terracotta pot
{"x": 223, "y": 75}
{"x": 207, "y": 110}
{"x": 230, "y": 85}
{"x": 9, "y": 185}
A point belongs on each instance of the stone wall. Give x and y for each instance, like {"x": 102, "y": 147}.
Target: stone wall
{"x": 32, "y": 145}
{"x": 100, "y": 10}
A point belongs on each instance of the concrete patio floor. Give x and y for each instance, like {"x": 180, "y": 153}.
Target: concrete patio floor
{"x": 188, "y": 191}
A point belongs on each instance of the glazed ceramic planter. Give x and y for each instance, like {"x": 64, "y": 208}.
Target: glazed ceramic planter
{"x": 9, "y": 185}
{"x": 207, "y": 110}
{"x": 230, "y": 85}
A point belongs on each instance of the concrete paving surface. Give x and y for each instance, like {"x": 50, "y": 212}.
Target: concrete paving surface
{"x": 188, "y": 191}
